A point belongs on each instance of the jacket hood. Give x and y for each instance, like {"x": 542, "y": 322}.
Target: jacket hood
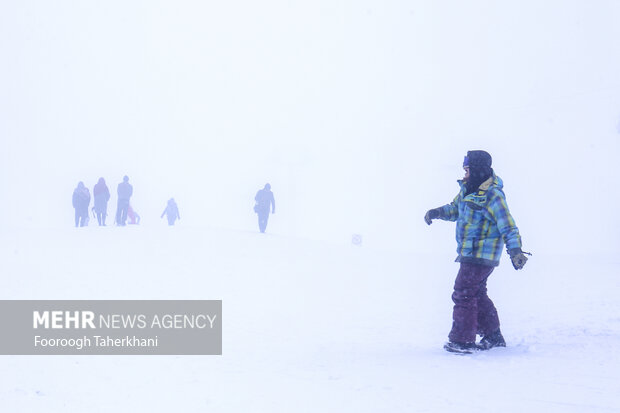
{"x": 493, "y": 180}
{"x": 497, "y": 181}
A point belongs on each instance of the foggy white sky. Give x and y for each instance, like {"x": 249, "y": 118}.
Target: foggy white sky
{"x": 357, "y": 112}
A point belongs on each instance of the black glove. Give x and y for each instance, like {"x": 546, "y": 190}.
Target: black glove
{"x": 517, "y": 257}
{"x": 432, "y": 214}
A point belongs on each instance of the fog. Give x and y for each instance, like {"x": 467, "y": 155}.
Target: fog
{"x": 358, "y": 113}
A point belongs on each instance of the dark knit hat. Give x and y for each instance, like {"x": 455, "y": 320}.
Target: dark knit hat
{"x": 479, "y": 163}
{"x": 478, "y": 159}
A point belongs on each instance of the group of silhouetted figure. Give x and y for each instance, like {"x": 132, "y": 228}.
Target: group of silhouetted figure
{"x": 125, "y": 214}
{"x": 265, "y": 203}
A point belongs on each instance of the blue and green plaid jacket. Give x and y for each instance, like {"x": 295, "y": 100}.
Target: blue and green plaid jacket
{"x": 483, "y": 223}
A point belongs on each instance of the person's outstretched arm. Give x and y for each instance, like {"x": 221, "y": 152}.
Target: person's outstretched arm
{"x": 449, "y": 212}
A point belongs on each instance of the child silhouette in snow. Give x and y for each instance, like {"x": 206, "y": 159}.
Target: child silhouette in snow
{"x": 171, "y": 212}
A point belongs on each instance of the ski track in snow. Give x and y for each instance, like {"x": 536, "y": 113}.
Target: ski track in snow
{"x": 314, "y": 327}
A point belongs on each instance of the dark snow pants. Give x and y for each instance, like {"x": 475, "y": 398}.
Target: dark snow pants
{"x": 474, "y": 311}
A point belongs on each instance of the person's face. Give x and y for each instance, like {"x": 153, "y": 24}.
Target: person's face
{"x": 466, "y": 177}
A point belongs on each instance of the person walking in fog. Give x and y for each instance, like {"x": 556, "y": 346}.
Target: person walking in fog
{"x": 124, "y": 191}
{"x": 81, "y": 200}
{"x": 483, "y": 225}
{"x": 101, "y": 193}
{"x": 264, "y": 201}
{"x": 171, "y": 212}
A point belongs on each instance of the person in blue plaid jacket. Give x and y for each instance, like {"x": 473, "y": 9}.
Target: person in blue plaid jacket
{"x": 483, "y": 225}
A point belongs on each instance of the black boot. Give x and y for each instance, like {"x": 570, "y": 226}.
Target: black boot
{"x": 494, "y": 339}
{"x": 463, "y": 348}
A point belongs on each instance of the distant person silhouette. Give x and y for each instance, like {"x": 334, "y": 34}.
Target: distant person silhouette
{"x": 124, "y": 191}
{"x": 171, "y": 212}
{"x": 81, "y": 200}
{"x": 101, "y": 193}
{"x": 264, "y": 201}
{"x": 132, "y": 216}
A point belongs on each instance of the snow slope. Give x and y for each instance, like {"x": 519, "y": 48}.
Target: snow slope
{"x": 314, "y": 327}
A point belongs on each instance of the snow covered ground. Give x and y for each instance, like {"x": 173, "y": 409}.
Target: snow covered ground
{"x": 314, "y": 327}
{"x": 358, "y": 113}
